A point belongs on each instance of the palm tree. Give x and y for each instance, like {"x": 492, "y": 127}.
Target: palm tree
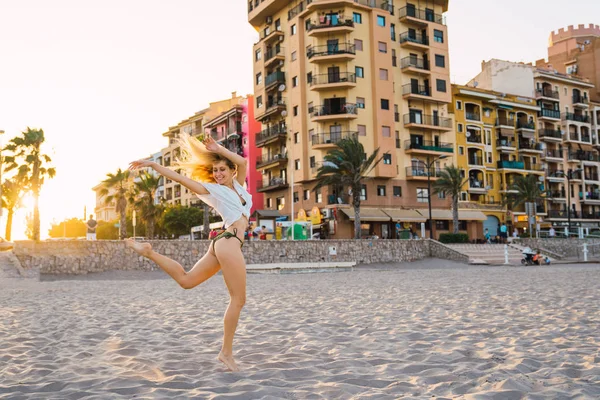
{"x": 13, "y": 191}
{"x": 527, "y": 189}
{"x": 347, "y": 166}
{"x": 31, "y": 165}
{"x": 142, "y": 197}
{"x": 450, "y": 183}
{"x": 114, "y": 189}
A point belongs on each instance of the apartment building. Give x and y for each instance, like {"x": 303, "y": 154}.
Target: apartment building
{"x": 570, "y": 148}
{"x": 496, "y": 141}
{"x": 328, "y": 69}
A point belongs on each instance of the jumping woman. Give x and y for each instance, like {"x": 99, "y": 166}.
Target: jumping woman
{"x": 221, "y": 175}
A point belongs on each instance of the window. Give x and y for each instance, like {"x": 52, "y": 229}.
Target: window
{"x": 297, "y": 164}
{"x": 489, "y": 157}
{"x": 393, "y": 31}
{"x": 311, "y": 107}
{"x": 278, "y": 24}
{"x": 360, "y": 102}
{"x": 306, "y": 194}
{"x": 259, "y": 103}
{"x": 363, "y": 192}
{"x": 293, "y": 30}
{"x": 311, "y": 161}
{"x": 380, "y": 20}
{"x": 382, "y": 47}
{"x": 362, "y": 130}
{"x": 441, "y": 195}
{"x": 380, "y": 190}
{"x": 383, "y": 74}
{"x": 311, "y": 133}
{"x": 385, "y": 104}
{"x": 398, "y": 140}
{"x": 394, "y": 58}
{"x": 258, "y": 55}
{"x": 269, "y": 202}
{"x": 387, "y": 158}
{"x": 358, "y": 44}
{"x": 296, "y": 198}
{"x": 459, "y": 127}
{"x": 440, "y": 85}
{"x": 357, "y": 18}
{"x": 319, "y": 195}
{"x": 440, "y": 61}
{"x": 296, "y": 137}
{"x": 259, "y": 78}
{"x": 458, "y": 105}
{"x": 397, "y": 191}
{"x": 309, "y": 77}
{"x": 422, "y": 195}
{"x": 461, "y": 151}
{"x": 359, "y": 71}
{"x": 438, "y": 36}
{"x": 386, "y": 131}
{"x": 295, "y": 81}
{"x": 442, "y": 225}
{"x": 295, "y": 111}
{"x": 280, "y": 202}
{"x": 294, "y": 55}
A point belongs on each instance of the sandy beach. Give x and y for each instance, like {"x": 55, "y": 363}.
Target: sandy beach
{"x": 430, "y": 329}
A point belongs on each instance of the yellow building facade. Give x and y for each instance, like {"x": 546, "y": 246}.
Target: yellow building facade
{"x": 496, "y": 141}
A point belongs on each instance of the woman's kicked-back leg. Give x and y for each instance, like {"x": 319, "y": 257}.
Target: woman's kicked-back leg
{"x": 206, "y": 267}
{"x": 233, "y": 267}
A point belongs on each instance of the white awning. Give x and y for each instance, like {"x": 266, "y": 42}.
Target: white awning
{"x": 367, "y": 214}
{"x": 401, "y": 215}
{"x": 471, "y": 215}
{"x": 436, "y": 214}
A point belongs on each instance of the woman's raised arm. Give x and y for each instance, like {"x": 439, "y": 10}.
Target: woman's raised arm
{"x": 239, "y": 161}
{"x": 191, "y": 184}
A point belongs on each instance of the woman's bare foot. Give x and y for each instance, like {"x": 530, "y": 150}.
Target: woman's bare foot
{"x": 143, "y": 249}
{"x": 228, "y": 361}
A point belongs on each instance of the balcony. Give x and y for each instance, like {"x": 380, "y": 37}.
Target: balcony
{"x": 504, "y": 122}
{"x": 549, "y": 114}
{"x": 557, "y": 155}
{"x": 272, "y": 184}
{"x": 414, "y": 41}
{"x": 339, "y": 80}
{"x": 555, "y": 175}
{"x": 475, "y": 160}
{"x": 330, "y": 112}
{"x": 476, "y": 186}
{"x": 273, "y": 106}
{"x": 330, "y": 140}
{"x": 472, "y": 116}
{"x": 420, "y": 173}
{"x": 582, "y": 155}
{"x": 331, "y": 25}
{"x": 428, "y": 147}
{"x": 576, "y": 117}
{"x": 547, "y": 94}
{"x": 270, "y": 135}
{"x": 331, "y": 53}
{"x": 505, "y": 145}
{"x": 274, "y": 79}
{"x": 562, "y": 214}
{"x": 416, "y": 92}
{"x": 590, "y": 215}
{"x": 271, "y": 36}
{"x": 591, "y": 176}
{"x": 529, "y": 147}
{"x": 550, "y": 135}
{"x": 590, "y": 197}
{"x": 417, "y": 120}
{"x": 419, "y": 16}
{"x": 580, "y": 101}
{"x": 273, "y": 54}
{"x": 525, "y": 126}
{"x": 266, "y": 161}
{"x": 474, "y": 138}
{"x": 415, "y": 64}
{"x": 557, "y": 194}
{"x": 511, "y": 165}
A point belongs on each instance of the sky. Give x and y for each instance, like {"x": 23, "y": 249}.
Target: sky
{"x": 105, "y": 79}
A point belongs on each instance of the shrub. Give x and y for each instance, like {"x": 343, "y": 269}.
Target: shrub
{"x": 454, "y": 238}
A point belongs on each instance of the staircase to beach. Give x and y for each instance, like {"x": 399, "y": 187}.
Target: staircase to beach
{"x": 488, "y": 253}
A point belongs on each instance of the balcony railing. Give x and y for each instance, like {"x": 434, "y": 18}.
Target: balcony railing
{"x": 340, "y": 77}
{"x": 589, "y": 196}
{"x": 331, "y": 137}
{"x": 429, "y": 145}
{"x": 275, "y": 77}
{"x": 270, "y": 133}
{"x": 329, "y": 50}
{"x": 511, "y": 164}
{"x": 421, "y": 119}
{"x": 552, "y": 133}
{"x": 474, "y": 138}
{"x": 474, "y": 160}
{"x": 264, "y": 35}
{"x": 473, "y": 116}
{"x": 414, "y": 38}
{"x": 554, "y": 153}
{"x": 272, "y": 52}
{"x": 591, "y": 176}
{"x": 557, "y": 194}
{"x": 590, "y": 215}
{"x": 524, "y": 145}
{"x": 550, "y": 113}
{"x": 424, "y": 172}
{"x": 553, "y": 94}
{"x": 505, "y": 121}
{"x": 585, "y": 137}
{"x": 323, "y": 110}
{"x": 504, "y": 143}
{"x": 276, "y": 102}
{"x": 416, "y": 89}
{"x": 425, "y": 15}
{"x": 580, "y": 100}
{"x": 273, "y": 183}
{"x": 476, "y": 184}
{"x": 576, "y": 117}
{"x": 584, "y": 156}
{"x": 562, "y": 214}
{"x": 331, "y": 23}
{"x": 269, "y": 159}
{"x": 525, "y": 125}
{"x": 414, "y": 62}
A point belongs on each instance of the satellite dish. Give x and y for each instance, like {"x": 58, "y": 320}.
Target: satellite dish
{"x": 541, "y": 178}
{"x": 475, "y": 84}
{"x": 468, "y": 134}
{"x": 488, "y": 187}
{"x": 281, "y": 87}
{"x": 284, "y": 113}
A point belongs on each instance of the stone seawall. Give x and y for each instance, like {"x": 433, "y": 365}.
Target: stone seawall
{"x": 82, "y": 257}
{"x": 565, "y": 247}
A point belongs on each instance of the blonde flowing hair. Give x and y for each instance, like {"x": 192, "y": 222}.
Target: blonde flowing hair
{"x": 196, "y": 160}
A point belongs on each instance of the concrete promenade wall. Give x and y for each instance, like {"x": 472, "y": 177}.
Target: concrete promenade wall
{"x": 566, "y": 247}
{"x": 82, "y": 257}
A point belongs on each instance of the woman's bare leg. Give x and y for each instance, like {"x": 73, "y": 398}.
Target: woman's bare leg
{"x": 206, "y": 267}
{"x": 233, "y": 266}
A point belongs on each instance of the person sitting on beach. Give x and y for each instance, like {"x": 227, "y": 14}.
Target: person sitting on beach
{"x": 537, "y": 258}
{"x": 221, "y": 174}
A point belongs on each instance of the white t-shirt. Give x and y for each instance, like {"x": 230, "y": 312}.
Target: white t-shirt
{"x": 227, "y": 203}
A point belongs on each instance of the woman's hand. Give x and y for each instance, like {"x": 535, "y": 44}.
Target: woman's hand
{"x": 210, "y": 144}
{"x": 135, "y": 165}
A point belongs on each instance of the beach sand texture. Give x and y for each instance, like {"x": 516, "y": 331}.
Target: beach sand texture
{"x": 416, "y": 330}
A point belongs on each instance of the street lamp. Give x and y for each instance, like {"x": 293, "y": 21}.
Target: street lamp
{"x": 569, "y": 176}
{"x": 284, "y": 114}
{"x": 1, "y": 133}
{"x": 428, "y": 165}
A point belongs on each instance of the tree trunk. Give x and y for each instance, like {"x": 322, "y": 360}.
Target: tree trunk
{"x": 9, "y": 219}
{"x": 206, "y": 222}
{"x": 150, "y": 228}
{"x": 123, "y": 226}
{"x": 36, "y": 216}
{"x": 455, "y": 215}
{"x": 356, "y": 204}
